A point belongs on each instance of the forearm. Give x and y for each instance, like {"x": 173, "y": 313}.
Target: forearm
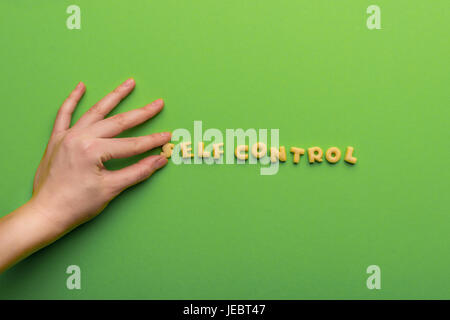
{"x": 22, "y": 232}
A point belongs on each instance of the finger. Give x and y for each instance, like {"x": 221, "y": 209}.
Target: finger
{"x": 136, "y": 173}
{"x": 114, "y": 125}
{"x": 128, "y": 147}
{"x": 64, "y": 115}
{"x": 105, "y": 105}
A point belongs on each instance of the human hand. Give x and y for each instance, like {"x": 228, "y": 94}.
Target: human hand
{"x": 71, "y": 184}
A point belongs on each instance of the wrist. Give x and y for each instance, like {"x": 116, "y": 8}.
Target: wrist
{"x": 24, "y": 231}
{"x": 45, "y": 217}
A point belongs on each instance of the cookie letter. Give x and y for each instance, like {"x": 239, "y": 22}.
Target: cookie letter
{"x": 297, "y": 153}
{"x": 186, "y": 150}
{"x": 217, "y": 151}
{"x": 201, "y": 151}
{"x": 333, "y": 155}
{"x": 239, "y": 152}
{"x": 167, "y": 150}
{"x": 349, "y": 156}
{"x": 276, "y": 155}
{"x": 315, "y": 154}
{"x": 283, "y": 153}
{"x": 259, "y": 150}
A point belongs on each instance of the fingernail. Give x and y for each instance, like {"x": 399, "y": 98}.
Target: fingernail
{"x": 161, "y": 161}
{"x": 166, "y": 134}
{"x": 159, "y": 101}
{"x": 129, "y": 82}
{"x": 79, "y": 85}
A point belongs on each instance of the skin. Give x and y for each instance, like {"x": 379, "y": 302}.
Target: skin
{"x": 71, "y": 185}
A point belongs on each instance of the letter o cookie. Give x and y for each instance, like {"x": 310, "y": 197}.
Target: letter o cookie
{"x": 333, "y": 155}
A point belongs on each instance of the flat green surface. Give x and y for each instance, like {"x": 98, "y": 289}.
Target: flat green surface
{"x": 309, "y": 68}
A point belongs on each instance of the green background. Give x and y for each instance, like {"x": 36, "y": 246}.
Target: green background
{"x": 311, "y": 69}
